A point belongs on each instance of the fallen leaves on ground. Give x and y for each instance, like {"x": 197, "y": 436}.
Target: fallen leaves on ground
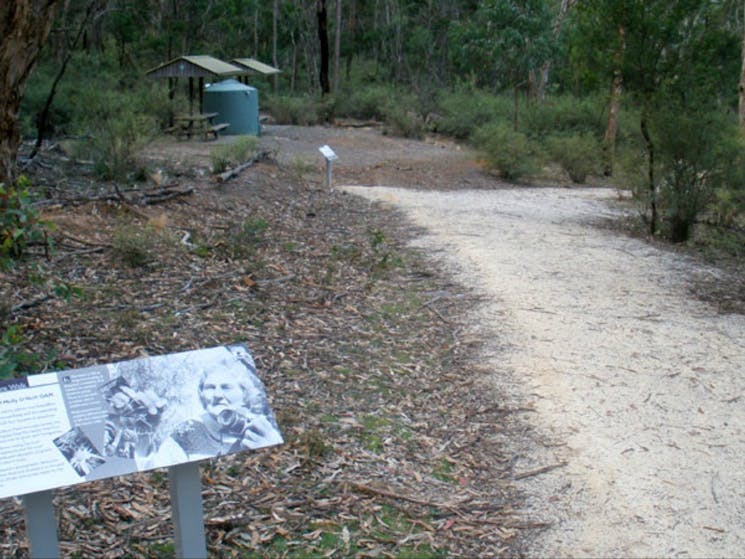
{"x": 396, "y": 442}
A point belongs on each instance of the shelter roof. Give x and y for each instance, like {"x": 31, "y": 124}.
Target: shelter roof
{"x": 254, "y": 65}
{"x": 197, "y": 66}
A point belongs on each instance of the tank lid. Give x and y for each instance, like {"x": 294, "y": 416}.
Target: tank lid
{"x": 228, "y": 85}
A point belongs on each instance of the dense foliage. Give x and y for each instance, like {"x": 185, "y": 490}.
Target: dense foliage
{"x": 575, "y": 85}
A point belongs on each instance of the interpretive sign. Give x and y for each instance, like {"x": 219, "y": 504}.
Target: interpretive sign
{"x": 328, "y": 153}
{"x": 79, "y": 425}
{"x": 329, "y": 156}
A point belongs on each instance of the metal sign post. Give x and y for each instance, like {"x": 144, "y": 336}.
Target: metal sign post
{"x": 329, "y": 156}
{"x": 186, "y": 508}
{"x": 41, "y": 525}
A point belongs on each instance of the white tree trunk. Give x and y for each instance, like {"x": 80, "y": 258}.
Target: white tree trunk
{"x": 611, "y": 130}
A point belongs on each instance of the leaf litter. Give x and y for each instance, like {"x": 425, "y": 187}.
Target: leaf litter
{"x": 397, "y": 443}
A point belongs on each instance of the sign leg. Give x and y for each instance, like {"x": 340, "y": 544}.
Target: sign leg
{"x": 41, "y": 525}
{"x": 186, "y": 508}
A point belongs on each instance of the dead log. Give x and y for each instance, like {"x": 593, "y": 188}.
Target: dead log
{"x": 230, "y": 173}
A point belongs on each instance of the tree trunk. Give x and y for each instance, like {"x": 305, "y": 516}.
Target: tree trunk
{"x": 741, "y": 88}
{"x": 351, "y": 26}
{"x": 611, "y": 129}
{"x": 256, "y": 29}
{"x": 43, "y": 117}
{"x": 275, "y": 17}
{"x": 293, "y": 74}
{"x": 337, "y": 46}
{"x": 538, "y": 86}
{"x": 24, "y": 26}
{"x": 514, "y": 108}
{"x": 651, "y": 187}
{"x": 323, "y": 37}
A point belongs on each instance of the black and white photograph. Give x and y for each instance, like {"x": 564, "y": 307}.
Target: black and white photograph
{"x": 132, "y": 420}
{"x": 125, "y": 417}
{"x": 229, "y": 411}
{"x": 79, "y": 451}
{"x": 187, "y": 406}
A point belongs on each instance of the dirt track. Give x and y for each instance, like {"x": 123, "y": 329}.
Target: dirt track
{"x": 637, "y": 385}
{"x": 638, "y": 388}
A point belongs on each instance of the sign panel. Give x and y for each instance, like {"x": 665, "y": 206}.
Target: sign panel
{"x": 328, "y": 153}
{"x": 80, "y": 425}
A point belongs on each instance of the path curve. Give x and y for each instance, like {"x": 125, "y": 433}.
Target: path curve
{"x": 638, "y": 388}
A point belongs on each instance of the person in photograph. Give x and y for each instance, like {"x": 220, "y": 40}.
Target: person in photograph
{"x": 233, "y": 418}
{"x": 132, "y": 420}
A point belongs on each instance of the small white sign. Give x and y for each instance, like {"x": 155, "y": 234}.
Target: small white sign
{"x": 328, "y": 153}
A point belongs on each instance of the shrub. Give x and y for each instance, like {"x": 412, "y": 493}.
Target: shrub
{"x": 510, "y": 152}
{"x": 698, "y": 167}
{"x": 565, "y": 114}
{"x": 226, "y": 155}
{"x": 727, "y": 207}
{"x": 243, "y": 239}
{"x": 286, "y": 109}
{"x": 369, "y": 102}
{"x": 20, "y": 224}
{"x": 463, "y": 110}
{"x": 152, "y": 100}
{"x": 13, "y": 359}
{"x": 698, "y": 153}
{"x": 116, "y": 144}
{"x": 578, "y": 155}
{"x": 133, "y": 245}
{"x": 404, "y": 123}
{"x": 115, "y": 128}
{"x": 399, "y": 111}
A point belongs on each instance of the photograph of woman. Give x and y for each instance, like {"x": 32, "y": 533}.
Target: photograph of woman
{"x": 234, "y": 416}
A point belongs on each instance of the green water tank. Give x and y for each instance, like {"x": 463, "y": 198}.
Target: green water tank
{"x": 235, "y": 104}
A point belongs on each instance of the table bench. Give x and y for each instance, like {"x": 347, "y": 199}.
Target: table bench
{"x": 193, "y": 125}
{"x": 214, "y": 130}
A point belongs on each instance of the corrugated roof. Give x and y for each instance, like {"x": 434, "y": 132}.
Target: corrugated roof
{"x": 196, "y": 66}
{"x": 256, "y": 66}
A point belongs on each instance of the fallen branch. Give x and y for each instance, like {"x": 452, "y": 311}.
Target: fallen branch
{"x": 382, "y": 492}
{"x": 29, "y": 304}
{"x": 81, "y": 252}
{"x": 86, "y": 242}
{"x": 163, "y": 194}
{"x": 230, "y": 173}
{"x": 342, "y": 123}
{"x": 131, "y": 197}
{"x": 539, "y": 471}
{"x": 435, "y": 311}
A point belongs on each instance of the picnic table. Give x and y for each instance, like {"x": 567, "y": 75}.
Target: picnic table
{"x": 197, "y": 125}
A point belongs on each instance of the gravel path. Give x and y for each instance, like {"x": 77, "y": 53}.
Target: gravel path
{"x": 638, "y": 388}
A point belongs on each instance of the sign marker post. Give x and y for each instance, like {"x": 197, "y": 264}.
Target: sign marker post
{"x": 186, "y": 509}
{"x": 41, "y": 525}
{"x": 329, "y": 156}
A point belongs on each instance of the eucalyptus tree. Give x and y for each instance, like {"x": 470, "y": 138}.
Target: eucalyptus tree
{"x": 504, "y": 40}
{"x": 24, "y": 26}
{"x": 668, "y": 54}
